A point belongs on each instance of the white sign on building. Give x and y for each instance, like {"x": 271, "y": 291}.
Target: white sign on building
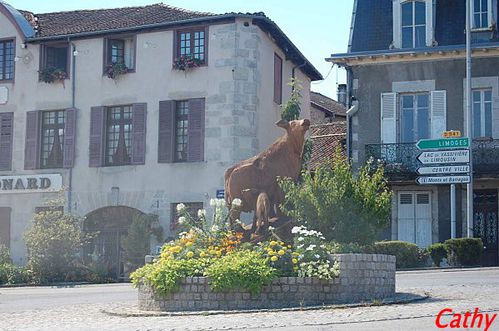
{"x": 445, "y": 157}
{"x": 31, "y": 183}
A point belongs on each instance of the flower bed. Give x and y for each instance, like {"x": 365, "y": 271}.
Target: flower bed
{"x": 363, "y": 277}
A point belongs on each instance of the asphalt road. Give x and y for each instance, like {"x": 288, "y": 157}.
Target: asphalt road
{"x": 80, "y": 308}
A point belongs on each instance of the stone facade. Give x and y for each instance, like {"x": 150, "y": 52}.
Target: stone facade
{"x": 363, "y": 277}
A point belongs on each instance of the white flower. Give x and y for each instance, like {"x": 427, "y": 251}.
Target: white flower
{"x": 214, "y": 228}
{"x": 201, "y": 213}
{"x": 301, "y": 238}
{"x": 213, "y": 202}
{"x": 317, "y": 256}
{"x": 180, "y": 207}
{"x": 236, "y": 202}
{"x": 238, "y": 221}
{"x": 181, "y": 220}
{"x": 271, "y": 228}
{"x": 296, "y": 229}
{"x": 311, "y": 247}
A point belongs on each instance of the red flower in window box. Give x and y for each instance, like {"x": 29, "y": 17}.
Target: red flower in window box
{"x": 186, "y": 62}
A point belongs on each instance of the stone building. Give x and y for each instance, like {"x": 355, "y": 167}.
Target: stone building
{"x": 95, "y": 101}
{"x": 406, "y": 67}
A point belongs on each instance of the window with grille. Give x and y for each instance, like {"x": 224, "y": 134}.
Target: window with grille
{"x": 181, "y": 131}
{"x": 52, "y": 143}
{"x": 118, "y": 135}
{"x": 7, "y": 52}
{"x": 413, "y": 24}
{"x": 414, "y": 117}
{"x": 480, "y": 9}
{"x": 192, "y": 43}
{"x": 120, "y": 51}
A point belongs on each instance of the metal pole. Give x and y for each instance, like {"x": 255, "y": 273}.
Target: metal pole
{"x": 453, "y": 211}
{"x": 469, "y": 127}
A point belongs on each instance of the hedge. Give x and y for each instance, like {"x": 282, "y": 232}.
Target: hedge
{"x": 408, "y": 255}
{"x": 464, "y": 251}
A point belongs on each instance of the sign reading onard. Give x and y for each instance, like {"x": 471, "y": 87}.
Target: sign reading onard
{"x": 30, "y": 183}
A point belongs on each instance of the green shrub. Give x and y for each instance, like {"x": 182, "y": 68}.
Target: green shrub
{"x": 464, "y": 251}
{"x": 4, "y": 255}
{"x": 343, "y": 206}
{"x": 12, "y": 274}
{"x": 437, "y": 252}
{"x": 246, "y": 269}
{"x": 408, "y": 255}
{"x": 344, "y": 248}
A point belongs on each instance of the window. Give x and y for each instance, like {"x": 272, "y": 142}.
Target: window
{"x": 192, "y": 43}
{"x": 414, "y": 117}
{"x": 413, "y": 24}
{"x": 7, "y": 51}
{"x": 119, "y": 50}
{"x": 277, "y": 79}
{"x": 55, "y": 57}
{"x": 52, "y": 143}
{"x": 482, "y": 113}
{"x": 192, "y": 208}
{"x": 118, "y": 135}
{"x": 181, "y": 130}
{"x": 481, "y": 13}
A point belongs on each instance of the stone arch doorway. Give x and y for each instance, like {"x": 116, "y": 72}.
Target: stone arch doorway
{"x": 110, "y": 225}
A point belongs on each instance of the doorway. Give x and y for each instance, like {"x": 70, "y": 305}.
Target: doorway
{"x": 485, "y": 224}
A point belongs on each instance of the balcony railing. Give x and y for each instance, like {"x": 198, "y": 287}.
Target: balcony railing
{"x": 400, "y": 160}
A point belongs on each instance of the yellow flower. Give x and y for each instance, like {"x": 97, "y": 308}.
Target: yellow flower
{"x": 213, "y": 252}
{"x": 295, "y": 253}
{"x": 289, "y": 246}
{"x": 295, "y": 261}
{"x": 274, "y": 258}
{"x": 189, "y": 243}
{"x": 202, "y": 254}
{"x": 281, "y": 252}
{"x": 190, "y": 254}
{"x": 219, "y": 253}
{"x": 273, "y": 243}
{"x": 271, "y": 252}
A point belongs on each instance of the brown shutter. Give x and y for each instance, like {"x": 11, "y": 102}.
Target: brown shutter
{"x": 195, "y": 144}
{"x": 166, "y": 131}
{"x": 139, "y": 118}
{"x": 277, "y": 79}
{"x": 32, "y": 148}
{"x": 69, "y": 137}
{"x": 6, "y": 132}
{"x": 5, "y": 226}
{"x": 96, "y": 148}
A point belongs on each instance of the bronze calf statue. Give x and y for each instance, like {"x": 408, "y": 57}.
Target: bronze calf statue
{"x": 255, "y": 179}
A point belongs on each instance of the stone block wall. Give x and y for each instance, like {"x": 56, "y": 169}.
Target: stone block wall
{"x": 362, "y": 277}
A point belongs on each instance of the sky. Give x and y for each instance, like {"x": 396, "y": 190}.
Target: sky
{"x": 318, "y": 28}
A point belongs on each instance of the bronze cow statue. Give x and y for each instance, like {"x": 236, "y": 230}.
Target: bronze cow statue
{"x": 255, "y": 179}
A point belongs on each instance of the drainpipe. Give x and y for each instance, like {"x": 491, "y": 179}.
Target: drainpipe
{"x": 73, "y": 102}
{"x": 351, "y": 112}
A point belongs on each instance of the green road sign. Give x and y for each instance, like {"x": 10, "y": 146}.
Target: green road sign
{"x": 443, "y": 143}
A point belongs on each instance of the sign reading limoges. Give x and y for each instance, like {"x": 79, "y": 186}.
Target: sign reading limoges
{"x": 31, "y": 183}
{"x": 445, "y": 157}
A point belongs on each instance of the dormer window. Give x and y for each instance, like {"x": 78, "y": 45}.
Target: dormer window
{"x": 482, "y": 14}
{"x": 413, "y": 24}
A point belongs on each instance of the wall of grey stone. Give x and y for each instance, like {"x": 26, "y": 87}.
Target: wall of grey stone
{"x": 363, "y": 277}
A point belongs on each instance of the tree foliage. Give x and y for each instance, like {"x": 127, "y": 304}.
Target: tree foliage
{"x": 344, "y": 207}
{"x": 53, "y": 241}
{"x": 136, "y": 244}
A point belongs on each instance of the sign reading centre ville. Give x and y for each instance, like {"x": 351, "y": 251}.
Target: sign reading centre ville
{"x": 30, "y": 183}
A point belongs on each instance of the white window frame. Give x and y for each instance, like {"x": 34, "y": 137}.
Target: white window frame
{"x": 416, "y": 109}
{"x": 397, "y": 22}
{"x": 482, "y": 111}
{"x": 490, "y": 16}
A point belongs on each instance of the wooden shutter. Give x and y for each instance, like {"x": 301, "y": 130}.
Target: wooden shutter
{"x": 166, "y": 131}
{"x": 388, "y": 118}
{"x": 277, "y": 79}
{"x": 405, "y": 219}
{"x": 195, "y": 144}
{"x": 139, "y": 118}
{"x": 6, "y": 133}
{"x": 438, "y": 113}
{"x": 5, "y": 226}
{"x": 69, "y": 137}
{"x": 423, "y": 220}
{"x": 32, "y": 148}
{"x": 96, "y": 147}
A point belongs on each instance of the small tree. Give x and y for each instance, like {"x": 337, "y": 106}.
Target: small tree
{"x": 344, "y": 207}
{"x": 53, "y": 242}
{"x": 136, "y": 244}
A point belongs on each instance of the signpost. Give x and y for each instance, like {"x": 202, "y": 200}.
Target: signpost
{"x": 449, "y": 163}
{"x": 443, "y": 180}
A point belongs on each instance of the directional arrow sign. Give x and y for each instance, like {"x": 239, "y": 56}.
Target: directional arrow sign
{"x": 444, "y": 170}
{"x": 443, "y": 143}
{"x": 445, "y": 157}
{"x": 443, "y": 180}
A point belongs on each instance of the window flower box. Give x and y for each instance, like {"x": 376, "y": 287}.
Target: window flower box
{"x": 52, "y": 75}
{"x": 116, "y": 69}
{"x": 186, "y": 62}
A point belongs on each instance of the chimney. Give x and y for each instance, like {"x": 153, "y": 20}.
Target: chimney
{"x": 342, "y": 94}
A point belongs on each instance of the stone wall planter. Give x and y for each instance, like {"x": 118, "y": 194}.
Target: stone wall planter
{"x": 362, "y": 277}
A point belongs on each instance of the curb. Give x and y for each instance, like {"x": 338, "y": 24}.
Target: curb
{"x": 399, "y": 298}
{"x": 447, "y": 269}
